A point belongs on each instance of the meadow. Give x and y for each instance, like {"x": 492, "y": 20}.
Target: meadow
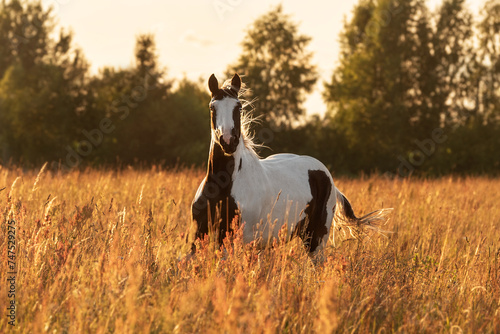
{"x": 98, "y": 252}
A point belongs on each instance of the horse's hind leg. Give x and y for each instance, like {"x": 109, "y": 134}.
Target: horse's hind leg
{"x": 313, "y": 229}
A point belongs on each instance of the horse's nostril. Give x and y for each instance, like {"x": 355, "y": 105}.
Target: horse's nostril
{"x": 227, "y": 139}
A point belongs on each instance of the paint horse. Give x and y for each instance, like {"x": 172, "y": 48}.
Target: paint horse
{"x": 264, "y": 194}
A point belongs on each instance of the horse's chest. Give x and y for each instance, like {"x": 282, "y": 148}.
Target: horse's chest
{"x": 214, "y": 205}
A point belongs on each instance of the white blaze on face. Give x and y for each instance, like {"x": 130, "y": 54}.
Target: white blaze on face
{"x": 224, "y": 121}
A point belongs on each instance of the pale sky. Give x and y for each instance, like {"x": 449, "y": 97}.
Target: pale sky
{"x": 194, "y": 38}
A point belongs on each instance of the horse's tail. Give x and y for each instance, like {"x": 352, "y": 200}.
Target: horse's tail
{"x": 356, "y": 225}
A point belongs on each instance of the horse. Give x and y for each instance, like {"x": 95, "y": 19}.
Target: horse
{"x": 282, "y": 191}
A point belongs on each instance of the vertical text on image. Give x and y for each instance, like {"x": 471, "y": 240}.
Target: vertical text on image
{"x": 11, "y": 272}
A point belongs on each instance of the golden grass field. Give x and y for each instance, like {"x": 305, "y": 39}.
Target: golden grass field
{"x": 97, "y": 252}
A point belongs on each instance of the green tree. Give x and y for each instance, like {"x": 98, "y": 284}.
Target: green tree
{"x": 488, "y": 94}
{"x": 24, "y": 30}
{"x": 186, "y": 129}
{"x": 42, "y": 84}
{"x": 134, "y": 99}
{"x": 474, "y": 143}
{"x": 150, "y": 122}
{"x": 453, "y": 63}
{"x": 277, "y": 67}
{"x": 403, "y": 73}
{"x": 375, "y": 88}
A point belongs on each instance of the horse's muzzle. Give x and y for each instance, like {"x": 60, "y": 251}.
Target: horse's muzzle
{"x": 229, "y": 148}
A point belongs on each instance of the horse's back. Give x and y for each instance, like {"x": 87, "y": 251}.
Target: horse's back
{"x": 290, "y": 174}
{"x": 286, "y": 163}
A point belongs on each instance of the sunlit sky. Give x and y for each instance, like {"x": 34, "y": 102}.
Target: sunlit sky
{"x": 197, "y": 38}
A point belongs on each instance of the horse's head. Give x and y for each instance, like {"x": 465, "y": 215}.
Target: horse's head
{"x": 225, "y": 113}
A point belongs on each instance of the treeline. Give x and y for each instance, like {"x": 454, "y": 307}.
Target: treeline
{"x": 414, "y": 92}
{"x": 418, "y": 91}
{"x": 52, "y": 109}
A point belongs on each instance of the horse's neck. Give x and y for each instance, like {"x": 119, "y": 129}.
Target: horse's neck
{"x": 219, "y": 163}
{"x": 246, "y": 157}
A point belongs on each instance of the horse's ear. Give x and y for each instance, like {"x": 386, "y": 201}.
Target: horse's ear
{"x": 236, "y": 82}
{"x": 213, "y": 84}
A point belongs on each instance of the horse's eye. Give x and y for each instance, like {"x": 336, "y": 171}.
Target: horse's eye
{"x": 212, "y": 108}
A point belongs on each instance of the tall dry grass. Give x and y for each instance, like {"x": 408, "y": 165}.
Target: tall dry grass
{"x": 98, "y": 252}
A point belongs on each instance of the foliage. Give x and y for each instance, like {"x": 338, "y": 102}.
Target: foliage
{"x": 277, "y": 68}
{"x": 488, "y": 90}
{"x": 186, "y": 134}
{"x": 52, "y": 110}
{"x": 110, "y": 259}
{"x": 42, "y": 84}
{"x": 134, "y": 99}
{"x": 404, "y": 73}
